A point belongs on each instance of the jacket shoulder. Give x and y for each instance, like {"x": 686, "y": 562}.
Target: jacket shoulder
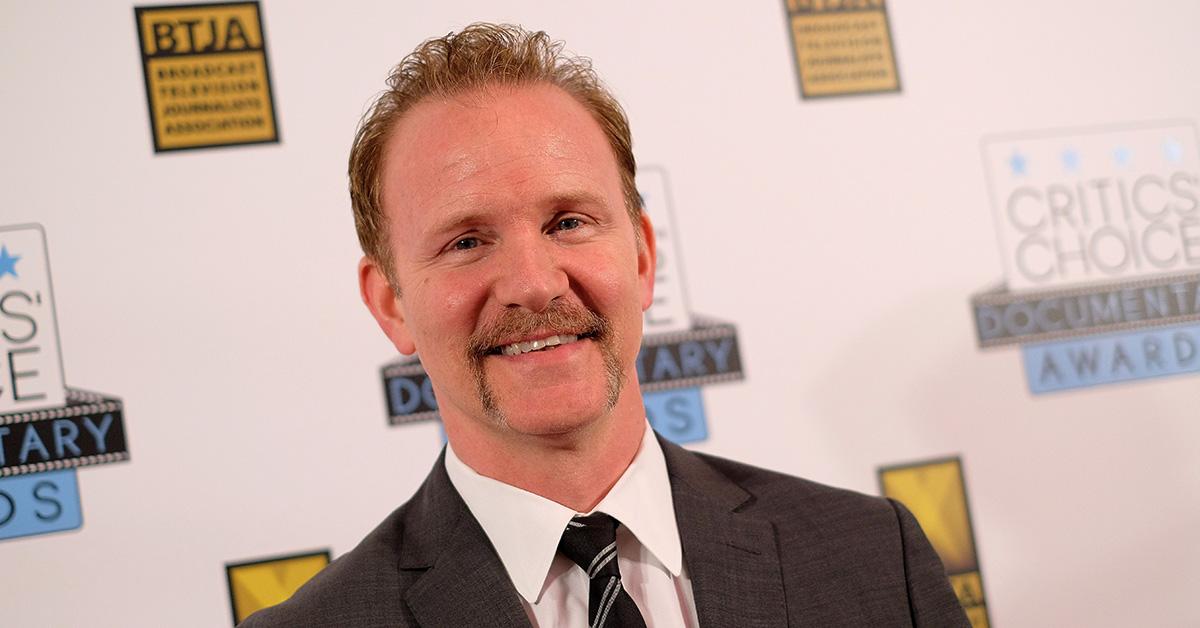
{"x": 847, "y": 557}
{"x": 773, "y": 492}
{"x": 810, "y": 514}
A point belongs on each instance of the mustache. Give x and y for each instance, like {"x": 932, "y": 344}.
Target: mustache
{"x": 560, "y": 317}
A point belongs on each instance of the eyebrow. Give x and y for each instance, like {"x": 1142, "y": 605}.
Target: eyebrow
{"x": 474, "y": 213}
{"x": 456, "y": 222}
{"x": 573, "y": 198}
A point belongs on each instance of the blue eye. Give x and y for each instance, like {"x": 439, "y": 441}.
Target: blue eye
{"x": 466, "y": 244}
{"x": 566, "y": 224}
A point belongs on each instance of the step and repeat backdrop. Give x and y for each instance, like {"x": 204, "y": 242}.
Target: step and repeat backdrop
{"x": 944, "y": 252}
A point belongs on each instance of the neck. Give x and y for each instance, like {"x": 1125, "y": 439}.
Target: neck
{"x": 575, "y": 468}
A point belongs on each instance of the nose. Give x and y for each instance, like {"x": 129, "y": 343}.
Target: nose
{"x": 530, "y": 275}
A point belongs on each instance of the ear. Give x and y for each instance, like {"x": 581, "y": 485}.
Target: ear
{"x": 384, "y": 304}
{"x": 647, "y": 261}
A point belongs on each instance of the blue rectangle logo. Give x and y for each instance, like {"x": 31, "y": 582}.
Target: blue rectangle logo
{"x": 1112, "y": 358}
{"x": 38, "y": 503}
{"x": 677, "y": 414}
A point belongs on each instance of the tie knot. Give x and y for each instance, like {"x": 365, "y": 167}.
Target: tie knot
{"x": 591, "y": 542}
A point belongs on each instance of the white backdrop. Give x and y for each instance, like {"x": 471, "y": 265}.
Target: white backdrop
{"x": 214, "y": 290}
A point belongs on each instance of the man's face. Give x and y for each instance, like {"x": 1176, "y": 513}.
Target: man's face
{"x": 509, "y": 233}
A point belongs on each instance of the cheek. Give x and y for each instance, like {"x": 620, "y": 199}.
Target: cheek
{"x": 450, "y": 306}
{"x": 615, "y": 285}
{"x": 455, "y": 303}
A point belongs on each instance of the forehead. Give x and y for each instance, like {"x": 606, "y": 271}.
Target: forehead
{"x": 494, "y": 146}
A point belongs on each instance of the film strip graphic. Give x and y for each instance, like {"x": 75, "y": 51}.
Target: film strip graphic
{"x": 88, "y": 430}
{"x": 708, "y": 353}
{"x": 1096, "y": 334}
{"x": 705, "y": 354}
{"x": 409, "y": 393}
{"x": 1004, "y": 318}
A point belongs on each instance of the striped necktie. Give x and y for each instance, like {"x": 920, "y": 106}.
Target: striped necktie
{"x": 591, "y": 542}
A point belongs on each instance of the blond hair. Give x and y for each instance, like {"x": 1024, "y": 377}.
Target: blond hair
{"x": 479, "y": 55}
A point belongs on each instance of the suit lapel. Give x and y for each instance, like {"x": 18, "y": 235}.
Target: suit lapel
{"x": 731, "y": 557}
{"x": 463, "y": 581}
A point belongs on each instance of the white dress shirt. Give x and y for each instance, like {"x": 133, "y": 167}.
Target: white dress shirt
{"x": 525, "y": 529}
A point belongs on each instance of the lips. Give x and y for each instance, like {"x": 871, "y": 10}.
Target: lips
{"x": 542, "y": 344}
{"x": 539, "y": 344}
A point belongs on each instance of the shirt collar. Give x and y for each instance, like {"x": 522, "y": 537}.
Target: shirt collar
{"x": 525, "y": 527}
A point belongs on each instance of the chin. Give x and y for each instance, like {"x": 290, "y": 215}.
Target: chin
{"x": 552, "y": 418}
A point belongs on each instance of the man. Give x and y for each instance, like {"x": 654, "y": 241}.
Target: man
{"x": 493, "y": 191}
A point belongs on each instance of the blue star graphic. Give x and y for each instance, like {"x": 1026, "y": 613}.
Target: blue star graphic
{"x": 1173, "y": 151}
{"x": 1070, "y": 160}
{"x": 1122, "y": 156}
{"x": 1018, "y": 164}
{"x": 8, "y": 263}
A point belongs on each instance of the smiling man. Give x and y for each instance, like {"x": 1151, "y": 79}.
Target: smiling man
{"x": 518, "y": 276}
{"x": 494, "y": 197}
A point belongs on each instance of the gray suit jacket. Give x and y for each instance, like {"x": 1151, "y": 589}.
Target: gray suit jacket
{"x": 762, "y": 549}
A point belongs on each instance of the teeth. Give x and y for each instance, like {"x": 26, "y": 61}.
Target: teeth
{"x": 517, "y": 348}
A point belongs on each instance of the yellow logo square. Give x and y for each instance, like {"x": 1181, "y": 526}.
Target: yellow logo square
{"x": 935, "y": 493}
{"x": 206, "y": 73}
{"x": 262, "y": 583}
